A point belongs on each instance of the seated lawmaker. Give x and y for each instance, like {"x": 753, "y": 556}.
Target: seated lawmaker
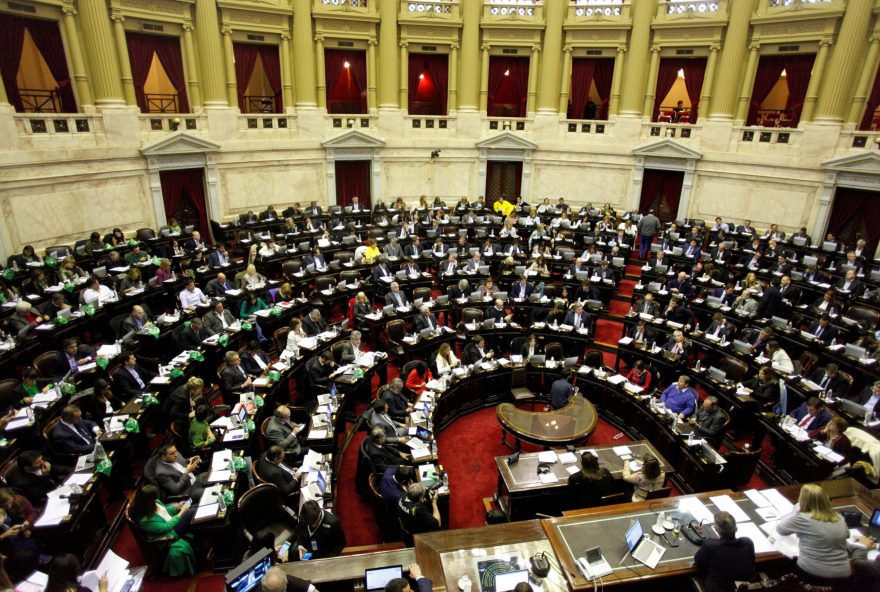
{"x": 280, "y": 431}
{"x": 869, "y": 397}
{"x": 398, "y": 405}
{"x": 720, "y": 328}
{"x": 708, "y": 422}
{"x": 833, "y": 437}
{"x": 313, "y": 324}
{"x": 475, "y": 352}
{"x": 201, "y": 436}
{"x": 192, "y": 337}
{"x": 101, "y": 404}
{"x": 318, "y": 532}
{"x": 764, "y": 387}
{"x": 157, "y": 520}
{"x": 822, "y": 329}
{"x": 234, "y": 379}
{"x": 562, "y": 390}
{"x": 381, "y": 453}
{"x": 396, "y": 297}
{"x": 254, "y": 361}
{"x": 592, "y": 482}
{"x": 271, "y": 468}
{"x": 830, "y": 379}
{"x": 724, "y": 561}
{"x": 639, "y": 375}
{"x": 577, "y": 317}
{"x": 417, "y": 380}
{"x": 73, "y": 434}
{"x": 132, "y": 379}
{"x": 677, "y": 344}
{"x": 497, "y": 313}
{"x": 811, "y": 416}
{"x": 680, "y": 398}
{"x": 175, "y": 474}
{"x": 648, "y": 477}
{"x": 445, "y": 359}
{"x": 35, "y": 477}
{"x": 425, "y": 320}
{"x": 380, "y": 418}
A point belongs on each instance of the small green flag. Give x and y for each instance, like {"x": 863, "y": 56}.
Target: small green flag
{"x": 153, "y": 331}
{"x": 104, "y": 467}
{"x": 175, "y": 373}
{"x": 89, "y": 309}
{"x": 51, "y": 262}
{"x": 238, "y": 463}
{"x": 223, "y": 340}
{"x": 228, "y": 497}
{"x": 196, "y": 356}
{"x": 275, "y": 312}
{"x": 8, "y": 273}
{"x": 61, "y": 320}
{"x": 68, "y": 388}
{"x": 258, "y": 401}
{"x": 102, "y": 362}
{"x": 131, "y": 426}
{"x": 150, "y": 399}
{"x": 274, "y": 376}
{"x": 108, "y": 246}
{"x": 68, "y": 287}
{"x": 250, "y": 425}
{"x": 246, "y": 326}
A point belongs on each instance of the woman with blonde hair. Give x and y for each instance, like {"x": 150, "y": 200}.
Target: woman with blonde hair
{"x": 69, "y": 271}
{"x": 822, "y": 534}
{"x": 252, "y": 278}
{"x": 445, "y": 359}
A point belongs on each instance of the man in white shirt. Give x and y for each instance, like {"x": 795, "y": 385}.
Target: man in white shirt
{"x": 97, "y": 293}
{"x": 192, "y": 296}
{"x": 779, "y": 360}
{"x": 269, "y": 249}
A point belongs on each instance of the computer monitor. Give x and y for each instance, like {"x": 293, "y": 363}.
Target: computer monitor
{"x": 779, "y": 323}
{"x": 248, "y": 575}
{"x": 852, "y": 407}
{"x": 742, "y": 347}
{"x": 506, "y": 582}
{"x": 854, "y": 351}
{"x": 829, "y": 246}
{"x": 376, "y": 579}
{"x": 717, "y": 375}
{"x": 633, "y": 535}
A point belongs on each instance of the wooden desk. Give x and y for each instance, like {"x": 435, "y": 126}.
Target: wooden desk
{"x": 567, "y": 425}
{"x": 522, "y": 494}
{"x": 348, "y": 567}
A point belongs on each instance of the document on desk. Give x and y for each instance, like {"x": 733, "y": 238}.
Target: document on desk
{"x": 757, "y": 498}
{"x": 726, "y": 503}
{"x": 787, "y": 545}
{"x": 78, "y": 479}
{"x": 782, "y": 505}
{"x": 617, "y": 379}
{"x": 547, "y": 478}
{"x": 625, "y": 341}
{"x": 622, "y": 451}
{"x": 697, "y": 509}
{"x": 567, "y": 458}
{"x": 572, "y": 469}
{"x": 547, "y": 456}
{"x": 827, "y": 453}
{"x": 116, "y": 569}
{"x": 233, "y": 435}
{"x": 317, "y": 434}
{"x": 205, "y": 511}
{"x": 56, "y": 510}
{"x": 312, "y": 461}
{"x": 220, "y": 460}
{"x": 753, "y": 533}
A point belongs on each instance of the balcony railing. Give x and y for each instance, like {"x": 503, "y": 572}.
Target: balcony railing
{"x": 598, "y": 8}
{"x": 259, "y": 104}
{"x": 676, "y": 7}
{"x": 669, "y": 130}
{"x": 430, "y": 122}
{"x": 513, "y": 8}
{"x": 863, "y": 140}
{"x": 39, "y": 100}
{"x": 345, "y": 3}
{"x": 426, "y": 7}
{"x": 768, "y": 135}
{"x": 588, "y": 126}
{"x": 353, "y": 121}
{"x": 72, "y": 124}
{"x": 265, "y": 122}
{"x": 157, "y": 122}
{"x": 514, "y": 124}
{"x": 161, "y": 103}
{"x": 782, "y": 3}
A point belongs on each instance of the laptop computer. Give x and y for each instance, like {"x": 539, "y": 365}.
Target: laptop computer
{"x": 854, "y": 351}
{"x": 742, "y": 347}
{"x": 874, "y": 525}
{"x": 779, "y": 323}
{"x": 717, "y": 375}
{"x": 643, "y": 549}
{"x": 854, "y": 409}
{"x": 714, "y": 302}
{"x": 376, "y": 579}
{"x": 316, "y": 489}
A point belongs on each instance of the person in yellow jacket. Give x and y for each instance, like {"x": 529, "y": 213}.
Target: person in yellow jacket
{"x": 504, "y": 207}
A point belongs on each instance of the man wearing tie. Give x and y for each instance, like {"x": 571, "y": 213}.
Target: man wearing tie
{"x": 425, "y": 320}
{"x": 254, "y": 361}
{"x": 822, "y": 329}
{"x": 831, "y": 380}
{"x": 381, "y": 274}
{"x": 73, "y": 434}
{"x": 395, "y": 297}
{"x": 603, "y": 273}
{"x": 693, "y": 250}
{"x": 760, "y": 341}
{"x": 413, "y": 250}
{"x": 132, "y": 378}
{"x": 411, "y": 269}
{"x": 719, "y": 329}
{"x": 196, "y": 243}
{"x": 811, "y": 417}
{"x": 578, "y": 317}
{"x": 314, "y": 323}
{"x": 351, "y": 351}
{"x": 73, "y": 356}
{"x": 642, "y": 333}
{"x": 233, "y": 378}
{"x": 355, "y": 204}
{"x": 218, "y": 286}
{"x": 522, "y": 289}
{"x": 648, "y": 306}
{"x": 473, "y": 266}
{"x": 449, "y": 266}
{"x": 219, "y": 258}
{"x": 677, "y": 344}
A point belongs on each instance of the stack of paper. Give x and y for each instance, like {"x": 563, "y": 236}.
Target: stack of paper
{"x": 547, "y": 456}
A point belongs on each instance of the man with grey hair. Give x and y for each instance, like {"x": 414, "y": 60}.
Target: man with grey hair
{"x": 276, "y": 580}
{"x": 350, "y": 352}
{"x": 233, "y": 378}
{"x": 425, "y": 320}
{"x": 418, "y": 511}
{"x": 314, "y": 324}
{"x": 283, "y": 432}
{"x": 727, "y": 559}
{"x": 380, "y": 452}
{"x": 395, "y": 296}
{"x": 398, "y": 405}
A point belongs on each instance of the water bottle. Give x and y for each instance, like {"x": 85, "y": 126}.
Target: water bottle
{"x": 868, "y": 415}
{"x": 100, "y": 453}
{"x": 334, "y": 400}
{"x": 433, "y": 448}
{"x": 221, "y": 502}
{"x": 445, "y": 479}
{"x": 698, "y": 366}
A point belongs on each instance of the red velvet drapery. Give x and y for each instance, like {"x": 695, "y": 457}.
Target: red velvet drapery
{"x": 353, "y": 178}
{"x": 603, "y": 76}
{"x": 661, "y": 190}
{"x": 272, "y": 68}
{"x": 428, "y": 95}
{"x": 47, "y": 38}
{"x": 246, "y": 55}
{"x": 694, "y": 72}
{"x": 855, "y": 214}
{"x": 798, "y": 69}
{"x": 872, "y": 103}
{"x": 582, "y": 72}
{"x": 181, "y": 184}
{"x": 511, "y": 88}
{"x": 769, "y": 70}
{"x": 346, "y": 87}
{"x": 141, "y": 48}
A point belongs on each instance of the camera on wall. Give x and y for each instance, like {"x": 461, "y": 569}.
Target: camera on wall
{"x": 435, "y": 154}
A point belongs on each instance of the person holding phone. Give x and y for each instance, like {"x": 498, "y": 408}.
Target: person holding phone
{"x": 16, "y": 543}
{"x": 318, "y": 533}
{"x": 158, "y": 520}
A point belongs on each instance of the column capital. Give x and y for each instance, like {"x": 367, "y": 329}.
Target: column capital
{"x": 754, "y": 46}
{"x": 115, "y": 15}
{"x": 567, "y": 49}
{"x": 68, "y": 9}
{"x": 655, "y": 49}
{"x": 403, "y": 44}
{"x": 485, "y": 47}
{"x": 453, "y": 46}
{"x": 188, "y": 26}
{"x": 319, "y": 39}
{"x": 621, "y": 49}
{"x": 825, "y": 43}
{"x": 285, "y": 34}
{"x": 226, "y": 29}
{"x": 536, "y": 49}
{"x": 372, "y": 41}
{"x": 715, "y": 47}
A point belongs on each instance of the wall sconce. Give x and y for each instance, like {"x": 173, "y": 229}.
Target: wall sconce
{"x": 174, "y": 124}
{"x": 349, "y": 122}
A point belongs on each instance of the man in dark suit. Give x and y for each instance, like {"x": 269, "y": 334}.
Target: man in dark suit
{"x": 319, "y": 532}
{"x": 351, "y": 351}
{"x": 396, "y": 297}
{"x": 578, "y": 317}
{"x": 410, "y": 268}
{"x": 708, "y": 421}
{"x": 412, "y": 250}
{"x": 136, "y": 321}
{"x": 316, "y": 259}
{"x": 272, "y": 469}
{"x": 811, "y": 416}
{"x": 814, "y": 274}
{"x": 851, "y": 284}
{"x": 398, "y": 405}
{"x": 781, "y": 265}
{"x": 771, "y": 302}
{"x": 191, "y": 337}
{"x": 218, "y": 318}
{"x": 254, "y": 360}
{"x": 175, "y": 475}
{"x": 647, "y": 305}
{"x": 677, "y": 344}
{"x": 218, "y": 286}
{"x": 282, "y": 432}
{"x": 475, "y": 351}
{"x": 318, "y": 370}
{"x": 381, "y": 273}
{"x": 497, "y": 314}
{"x": 73, "y": 434}
{"x": 34, "y": 477}
{"x": 678, "y": 312}
{"x": 692, "y": 251}
{"x": 233, "y": 379}
{"x": 830, "y": 379}
{"x": 790, "y": 293}
{"x": 642, "y": 332}
{"x": 131, "y": 379}
{"x": 521, "y": 289}
{"x": 196, "y": 243}
{"x": 680, "y": 284}
{"x": 314, "y": 210}
{"x": 721, "y": 255}
{"x": 380, "y": 453}
{"x": 726, "y": 560}
{"x": 449, "y": 266}
{"x": 720, "y": 328}
{"x": 313, "y": 324}
{"x": 461, "y": 290}
{"x": 219, "y": 257}
{"x": 603, "y": 272}
{"x": 425, "y": 320}
{"x": 822, "y": 329}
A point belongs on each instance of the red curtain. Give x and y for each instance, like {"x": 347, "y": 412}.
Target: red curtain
{"x": 514, "y": 85}
{"x": 353, "y": 179}
{"x": 433, "y": 88}
{"x": 272, "y": 68}
{"x": 245, "y": 60}
{"x": 346, "y": 87}
{"x": 872, "y": 104}
{"x": 855, "y": 215}
{"x": 603, "y": 77}
{"x": 47, "y": 38}
{"x": 186, "y": 182}
{"x": 694, "y": 72}
{"x": 582, "y": 72}
{"x": 11, "y": 45}
{"x": 798, "y": 69}
{"x": 666, "y": 76}
{"x": 140, "y": 53}
{"x": 769, "y": 70}
{"x": 661, "y": 190}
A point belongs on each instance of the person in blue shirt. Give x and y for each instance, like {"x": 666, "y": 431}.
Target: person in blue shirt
{"x": 395, "y": 481}
{"x": 680, "y": 398}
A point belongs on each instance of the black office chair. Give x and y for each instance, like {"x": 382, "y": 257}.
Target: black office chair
{"x": 153, "y": 550}
{"x": 262, "y": 508}
{"x": 384, "y": 513}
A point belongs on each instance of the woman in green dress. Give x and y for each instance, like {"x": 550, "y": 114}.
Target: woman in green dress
{"x": 200, "y": 435}
{"x": 157, "y": 520}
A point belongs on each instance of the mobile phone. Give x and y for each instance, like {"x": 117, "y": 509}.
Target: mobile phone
{"x": 307, "y": 555}
{"x": 283, "y": 549}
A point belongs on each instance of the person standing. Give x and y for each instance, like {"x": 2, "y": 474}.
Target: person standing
{"x": 648, "y": 228}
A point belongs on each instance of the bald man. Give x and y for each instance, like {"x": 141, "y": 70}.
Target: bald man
{"x": 136, "y": 321}
{"x": 218, "y": 286}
